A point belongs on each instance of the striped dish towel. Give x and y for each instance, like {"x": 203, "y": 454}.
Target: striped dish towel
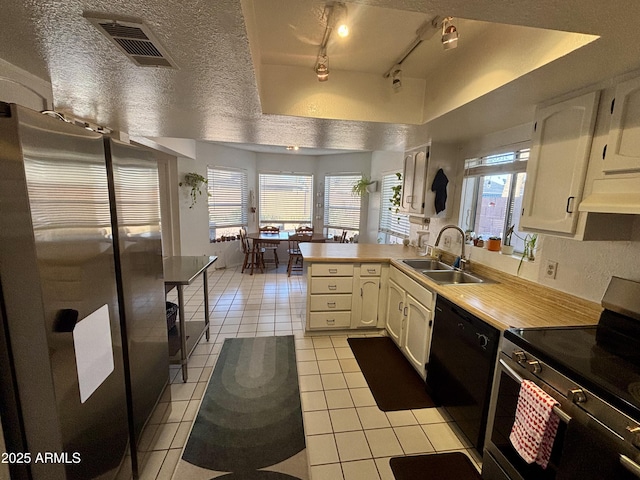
{"x": 535, "y": 426}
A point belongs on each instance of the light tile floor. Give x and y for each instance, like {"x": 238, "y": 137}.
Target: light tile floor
{"x": 347, "y": 436}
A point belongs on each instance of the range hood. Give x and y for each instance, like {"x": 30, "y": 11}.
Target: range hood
{"x": 619, "y": 195}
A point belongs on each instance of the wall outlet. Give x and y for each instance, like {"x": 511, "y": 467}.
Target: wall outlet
{"x": 447, "y": 241}
{"x": 551, "y": 269}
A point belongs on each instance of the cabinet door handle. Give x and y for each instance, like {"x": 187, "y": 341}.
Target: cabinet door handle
{"x": 332, "y": 287}
{"x": 404, "y": 311}
{"x": 333, "y": 270}
{"x": 331, "y": 304}
{"x": 400, "y": 306}
{"x": 371, "y": 270}
{"x": 361, "y": 292}
{"x": 569, "y": 203}
{"x": 331, "y": 321}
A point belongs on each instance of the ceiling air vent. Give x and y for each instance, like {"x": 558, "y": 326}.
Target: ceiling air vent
{"x": 135, "y": 40}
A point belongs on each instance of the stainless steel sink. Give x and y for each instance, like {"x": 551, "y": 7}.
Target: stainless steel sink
{"x": 450, "y": 277}
{"x": 426, "y": 264}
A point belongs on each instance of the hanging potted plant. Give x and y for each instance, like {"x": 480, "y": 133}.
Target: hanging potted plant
{"x": 363, "y": 186}
{"x": 396, "y": 196}
{"x": 195, "y": 181}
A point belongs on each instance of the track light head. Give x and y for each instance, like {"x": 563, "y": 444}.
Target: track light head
{"x": 396, "y": 78}
{"x": 449, "y": 34}
{"x": 322, "y": 68}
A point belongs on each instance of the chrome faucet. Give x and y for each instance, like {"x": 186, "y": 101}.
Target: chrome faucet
{"x": 463, "y": 259}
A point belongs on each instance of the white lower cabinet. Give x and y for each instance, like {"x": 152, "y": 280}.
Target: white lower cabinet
{"x": 417, "y": 334}
{"x": 395, "y": 315}
{"x": 365, "y": 300}
{"x": 346, "y": 295}
{"x": 409, "y": 318}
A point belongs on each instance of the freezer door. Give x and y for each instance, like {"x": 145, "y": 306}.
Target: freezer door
{"x": 57, "y": 269}
{"x": 136, "y": 198}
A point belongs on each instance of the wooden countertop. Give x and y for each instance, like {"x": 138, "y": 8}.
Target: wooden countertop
{"x": 354, "y": 252}
{"x": 512, "y": 302}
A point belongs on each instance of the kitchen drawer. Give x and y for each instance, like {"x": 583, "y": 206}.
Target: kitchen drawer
{"x": 332, "y": 269}
{"x": 330, "y": 320}
{"x": 370, "y": 269}
{"x": 329, "y": 302}
{"x": 331, "y": 285}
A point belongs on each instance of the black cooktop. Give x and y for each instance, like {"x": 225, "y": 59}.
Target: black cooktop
{"x": 599, "y": 359}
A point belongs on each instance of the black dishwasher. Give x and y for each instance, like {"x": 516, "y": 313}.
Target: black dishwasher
{"x": 460, "y": 367}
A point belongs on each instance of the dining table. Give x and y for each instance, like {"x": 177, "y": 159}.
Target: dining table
{"x": 282, "y": 236}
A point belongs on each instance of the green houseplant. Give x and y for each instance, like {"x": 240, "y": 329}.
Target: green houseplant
{"x": 361, "y": 187}
{"x": 507, "y": 248}
{"x": 396, "y": 197}
{"x": 530, "y": 241}
{"x": 195, "y": 181}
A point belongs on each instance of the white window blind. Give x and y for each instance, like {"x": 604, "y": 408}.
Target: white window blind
{"x": 391, "y": 222}
{"x": 341, "y": 206}
{"x": 228, "y": 198}
{"x": 285, "y": 198}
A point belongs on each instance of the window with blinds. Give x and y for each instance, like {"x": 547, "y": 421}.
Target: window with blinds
{"x": 228, "y": 200}
{"x": 341, "y": 206}
{"x": 285, "y": 199}
{"x": 492, "y": 194}
{"x": 391, "y": 223}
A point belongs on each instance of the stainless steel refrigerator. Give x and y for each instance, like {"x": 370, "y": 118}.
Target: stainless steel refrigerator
{"x": 83, "y": 344}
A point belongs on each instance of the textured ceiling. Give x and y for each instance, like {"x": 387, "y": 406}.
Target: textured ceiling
{"x": 214, "y": 93}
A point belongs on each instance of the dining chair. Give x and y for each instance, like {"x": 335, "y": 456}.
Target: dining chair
{"x": 295, "y": 255}
{"x": 270, "y": 245}
{"x": 304, "y": 229}
{"x": 253, "y": 256}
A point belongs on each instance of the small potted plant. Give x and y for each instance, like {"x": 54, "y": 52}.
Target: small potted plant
{"x": 530, "y": 241}
{"x": 195, "y": 181}
{"x": 493, "y": 244}
{"x": 363, "y": 186}
{"x": 507, "y": 248}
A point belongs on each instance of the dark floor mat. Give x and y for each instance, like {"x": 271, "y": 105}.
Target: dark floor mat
{"x": 439, "y": 466}
{"x": 394, "y": 383}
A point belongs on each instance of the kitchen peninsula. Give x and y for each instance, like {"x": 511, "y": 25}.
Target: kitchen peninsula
{"x": 510, "y": 302}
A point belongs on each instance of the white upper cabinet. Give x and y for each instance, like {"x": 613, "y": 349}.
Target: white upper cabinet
{"x": 421, "y": 166}
{"x": 413, "y": 180}
{"x": 623, "y": 146}
{"x": 558, "y": 164}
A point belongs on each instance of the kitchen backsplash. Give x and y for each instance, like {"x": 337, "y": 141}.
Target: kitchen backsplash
{"x": 584, "y": 268}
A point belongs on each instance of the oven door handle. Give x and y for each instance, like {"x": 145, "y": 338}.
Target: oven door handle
{"x": 565, "y": 417}
{"x": 630, "y": 465}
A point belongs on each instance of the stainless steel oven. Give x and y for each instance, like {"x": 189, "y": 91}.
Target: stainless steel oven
{"x": 593, "y": 373}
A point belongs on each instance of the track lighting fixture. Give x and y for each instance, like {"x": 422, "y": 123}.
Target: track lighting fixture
{"x": 425, "y": 32}
{"x": 336, "y": 19}
{"x": 449, "y": 34}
